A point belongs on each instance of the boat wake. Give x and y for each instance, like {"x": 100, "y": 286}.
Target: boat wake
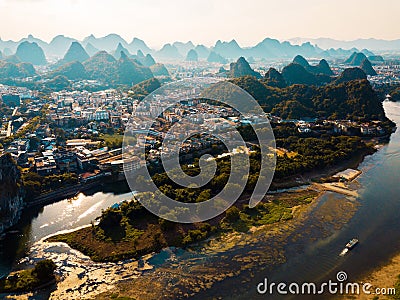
{"x": 344, "y": 252}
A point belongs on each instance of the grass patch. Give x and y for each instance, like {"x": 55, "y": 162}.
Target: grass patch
{"x": 278, "y": 209}
{"x": 262, "y": 214}
{"x": 111, "y": 245}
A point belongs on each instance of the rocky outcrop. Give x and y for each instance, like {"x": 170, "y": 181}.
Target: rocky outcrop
{"x": 159, "y": 70}
{"x": 31, "y": 53}
{"x": 351, "y": 74}
{"x": 242, "y": 68}
{"x": 148, "y": 61}
{"x": 76, "y": 53}
{"x": 274, "y": 78}
{"x": 11, "y": 192}
{"x": 295, "y": 73}
{"x": 73, "y": 71}
{"x": 192, "y": 55}
{"x": 214, "y": 57}
{"x": 355, "y": 59}
{"x": 322, "y": 68}
{"x": 366, "y": 66}
{"x": 18, "y": 70}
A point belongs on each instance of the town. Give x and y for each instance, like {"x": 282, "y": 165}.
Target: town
{"x": 82, "y": 132}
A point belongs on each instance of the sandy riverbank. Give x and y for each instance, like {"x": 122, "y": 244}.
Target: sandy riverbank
{"x": 384, "y": 276}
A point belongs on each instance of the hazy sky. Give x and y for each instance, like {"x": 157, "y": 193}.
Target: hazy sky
{"x": 202, "y": 21}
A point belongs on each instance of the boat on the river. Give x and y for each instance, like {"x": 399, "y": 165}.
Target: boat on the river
{"x": 352, "y": 243}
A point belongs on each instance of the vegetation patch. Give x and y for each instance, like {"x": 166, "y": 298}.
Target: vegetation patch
{"x": 29, "y": 280}
{"x": 130, "y": 231}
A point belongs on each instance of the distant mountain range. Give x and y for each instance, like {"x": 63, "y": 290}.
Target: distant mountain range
{"x": 231, "y": 50}
{"x": 128, "y": 69}
{"x": 111, "y": 59}
{"x": 60, "y": 44}
{"x": 371, "y": 44}
{"x": 117, "y": 67}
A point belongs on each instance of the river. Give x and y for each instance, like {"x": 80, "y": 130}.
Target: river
{"x": 37, "y": 223}
{"x": 376, "y": 224}
{"x": 312, "y": 258}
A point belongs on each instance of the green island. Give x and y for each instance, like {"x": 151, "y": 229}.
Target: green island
{"x": 131, "y": 231}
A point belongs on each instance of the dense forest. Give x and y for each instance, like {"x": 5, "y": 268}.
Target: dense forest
{"x": 307, "y": 154}
{"x": 354, "y": 100}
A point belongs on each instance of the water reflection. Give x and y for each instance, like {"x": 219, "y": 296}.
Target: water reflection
{"x": 37, "y": 223}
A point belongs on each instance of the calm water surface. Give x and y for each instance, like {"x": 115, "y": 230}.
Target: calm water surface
{"x": 376, "y": 224}
{"x": 37, "y": 223}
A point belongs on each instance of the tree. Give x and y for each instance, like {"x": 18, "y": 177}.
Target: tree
{"x": 232, "y": 214}
{"x": 110, "y": 218}
{"x": 204, "y": 196}
{"x": 44, "y": 270}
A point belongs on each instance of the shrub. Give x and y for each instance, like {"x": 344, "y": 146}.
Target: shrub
{"x": 232, "y": 214}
